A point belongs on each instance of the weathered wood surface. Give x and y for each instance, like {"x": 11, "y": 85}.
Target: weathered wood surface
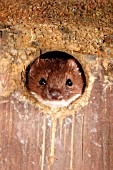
{"x": 83, "y": 141}
{"x": 30, "y": 140}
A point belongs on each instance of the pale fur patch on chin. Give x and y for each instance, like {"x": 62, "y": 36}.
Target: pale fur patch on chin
{"x": 55, "y": 104}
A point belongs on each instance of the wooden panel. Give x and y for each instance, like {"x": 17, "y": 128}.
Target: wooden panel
{"x": 82, "y": 141}
{"x": 30, "y": 140}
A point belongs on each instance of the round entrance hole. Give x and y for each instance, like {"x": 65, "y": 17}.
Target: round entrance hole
{"x": 55, "y": 79}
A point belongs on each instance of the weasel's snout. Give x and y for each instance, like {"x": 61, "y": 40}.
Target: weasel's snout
{"x": 55, "y": 94}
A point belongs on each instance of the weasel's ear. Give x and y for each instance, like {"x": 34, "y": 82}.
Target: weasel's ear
{"x": 34, "y": 66}
{"x": 37, "y": 61}
{"x": 71, "y": 63}
{"x": 32, "y": 70}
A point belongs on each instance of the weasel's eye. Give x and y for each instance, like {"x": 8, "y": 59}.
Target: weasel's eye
{"x": 42, "y": 81}
{"x": 69, "y": 82}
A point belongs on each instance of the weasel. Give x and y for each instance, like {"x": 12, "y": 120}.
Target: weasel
{"x": 55, "y": 82}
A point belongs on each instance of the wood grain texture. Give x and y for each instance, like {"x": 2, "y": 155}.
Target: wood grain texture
{"x": 30, "y": 140}
{"x": 82, "y": 141}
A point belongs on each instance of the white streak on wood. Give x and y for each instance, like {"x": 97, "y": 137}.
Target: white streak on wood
{"x": 72, "y": 141}
{"x": 51, "y": 157}
{"x": 43, "y": 145}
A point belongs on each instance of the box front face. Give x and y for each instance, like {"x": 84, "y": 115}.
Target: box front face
{"x": 34, "y": 136}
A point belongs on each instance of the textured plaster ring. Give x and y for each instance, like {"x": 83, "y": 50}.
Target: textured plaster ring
{"x": 74, "y": 105}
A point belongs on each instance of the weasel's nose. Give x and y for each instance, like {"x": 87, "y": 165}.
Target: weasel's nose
{"x": 55, "y": 94}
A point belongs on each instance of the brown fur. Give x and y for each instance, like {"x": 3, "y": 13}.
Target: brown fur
{"x": 56, "y": 72}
